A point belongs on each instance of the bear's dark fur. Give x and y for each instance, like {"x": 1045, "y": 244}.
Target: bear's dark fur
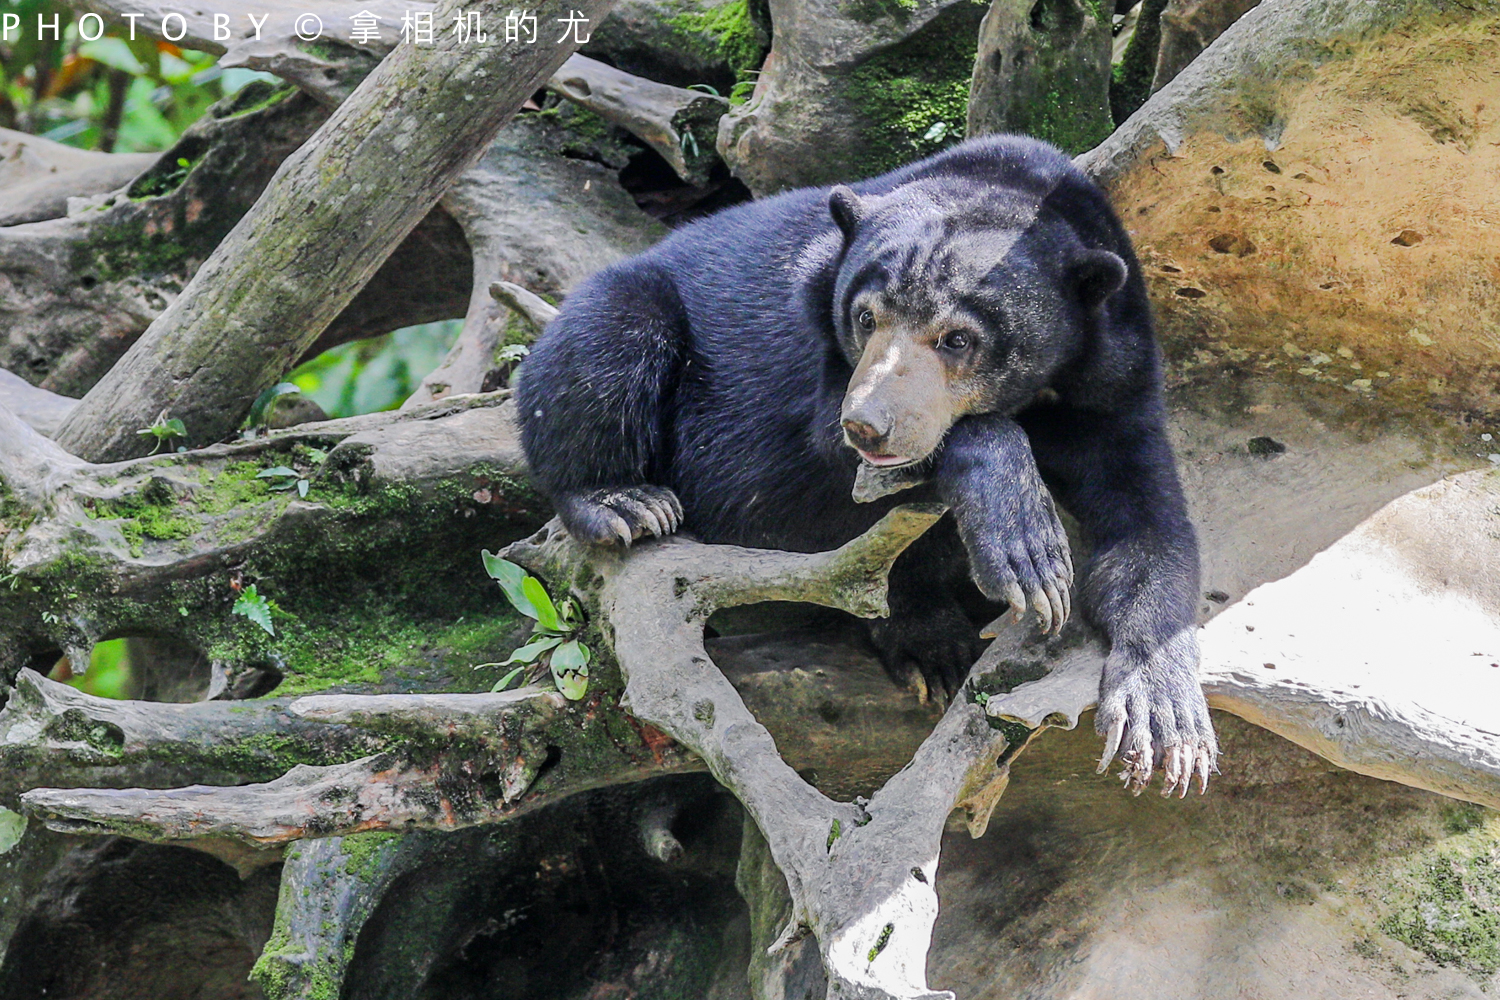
{"x": 981, "y": 313}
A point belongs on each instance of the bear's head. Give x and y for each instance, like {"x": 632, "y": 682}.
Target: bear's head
{"x": 954, "y": 300}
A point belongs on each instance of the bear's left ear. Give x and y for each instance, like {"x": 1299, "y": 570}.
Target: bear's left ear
{"x": 847, "y": 210}
{"x": 1097, "y": 274}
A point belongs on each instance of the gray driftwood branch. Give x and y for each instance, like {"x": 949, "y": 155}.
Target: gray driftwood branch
{"x": 847, "y": 882}
{"x": 681, "y": 125}
{"x": 861, "y": 875}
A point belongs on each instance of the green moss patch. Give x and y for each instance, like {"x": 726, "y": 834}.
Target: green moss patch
{"x": 915, "y": 97}
{"x": 725, "y": 33}
{"x": 1447, "y": 904}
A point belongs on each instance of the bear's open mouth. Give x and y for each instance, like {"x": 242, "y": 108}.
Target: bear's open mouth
{"x": 883, "y": 461}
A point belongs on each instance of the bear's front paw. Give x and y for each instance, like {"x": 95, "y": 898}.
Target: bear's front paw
{"x": 1152, "y": 712}
{"x": 1018, "y": 553}
{"x": 928, "y": 650}
{"x": 618, "y": 515}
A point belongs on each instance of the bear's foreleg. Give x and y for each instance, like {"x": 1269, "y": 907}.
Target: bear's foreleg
{"x": 1017, "y": 548}
{"x": 592, "y": 399}
{"x": 1115, "y": 474}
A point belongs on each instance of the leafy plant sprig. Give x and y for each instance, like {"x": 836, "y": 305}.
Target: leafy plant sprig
{"x": 164, "y": 431}
{"x": 250, "y": 604}
{"x": 554, "y": 636}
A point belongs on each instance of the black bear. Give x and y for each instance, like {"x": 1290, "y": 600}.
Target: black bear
{"x": 967, "y": 320}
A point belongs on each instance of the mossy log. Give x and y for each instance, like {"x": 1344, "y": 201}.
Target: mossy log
{"x": 852, "y": 90}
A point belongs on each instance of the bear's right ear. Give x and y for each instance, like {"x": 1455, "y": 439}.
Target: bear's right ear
{"x": 1098, "y": 274}
{"x": 847, "y": 210}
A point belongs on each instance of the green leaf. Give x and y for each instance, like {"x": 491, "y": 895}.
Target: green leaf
{"x": 573, "y": 686}
{"x": 532, "y": 650}
{"x": 510, "y": 577}
{"x": 570, "y": 669}
{"x": 504, "y": 682}
{"x": 175, "y": 428}
{"x": 512, "y": 352}
{"x": 302, "y": 485}
{"x": 114, "y": 53}
{"x": 572, "y": 655}
{"x": 12, "y": 826}
{"x": 834, "y": 832}
{"x": 546, "y": 614}
{"x": 254, "y": 607}
{"x": 278, "y": 471}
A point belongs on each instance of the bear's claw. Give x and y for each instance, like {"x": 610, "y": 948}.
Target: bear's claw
{"x": 928, "y": 650}
{"x": 1153, "y": 713}
{"x": 618, "y": 515}
{"x": 1034, "y": 569}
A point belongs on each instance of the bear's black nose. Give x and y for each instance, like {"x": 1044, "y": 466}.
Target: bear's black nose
{"x": 863, "y": 436}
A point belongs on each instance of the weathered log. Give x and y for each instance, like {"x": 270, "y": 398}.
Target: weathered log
{"x": 329, "y": 889}
{"x": 537, "y": 310}
{"x": 1187, "y": 28}
{"x": 164, "y": 537}
{"x": 1327, "y": 657}
{"x": 714, "y": 42}
{"x": 226, "y": 337}
{"x": 681, "y": 125}
{"x": 1135, "y": 64}
{"x": 509, "y": 770}
{"x": 42, "y": 410}
{"x": 533, "y": 216}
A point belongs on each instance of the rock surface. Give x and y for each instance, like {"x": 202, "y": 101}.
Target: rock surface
{"x": 684, "y": 43}
{"x": 1043, "y": 69}
{"x": 1187, "y": 28}
{"x": 850, "y": 91}
{"x": 1317, "y": 188}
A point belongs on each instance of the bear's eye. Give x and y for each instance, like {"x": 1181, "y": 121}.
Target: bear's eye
{"x": 866, "y": 320}
{"x": 957, "y": 340}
